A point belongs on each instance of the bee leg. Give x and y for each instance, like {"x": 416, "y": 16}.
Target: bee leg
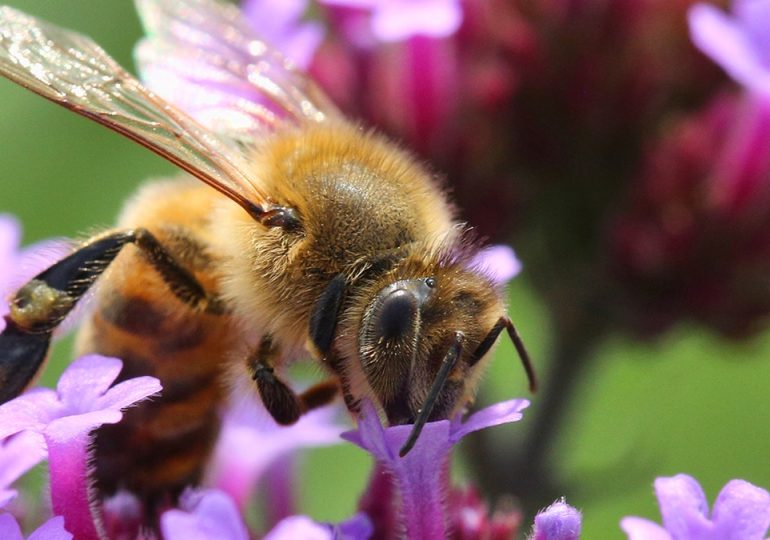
{"x": 319, "y": 395}
{"x": 281, "y": 402}
{"x": 40, "y": 305}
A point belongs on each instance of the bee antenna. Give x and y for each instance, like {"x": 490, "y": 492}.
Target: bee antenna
{"x": 447, "y": 366}
{"x": 523, "y": 354}
{"x": 487, "y": 342}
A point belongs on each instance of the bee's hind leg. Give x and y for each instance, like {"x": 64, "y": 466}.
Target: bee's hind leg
{"x": 40, "y": 305}
{"x": 283, "y": 404}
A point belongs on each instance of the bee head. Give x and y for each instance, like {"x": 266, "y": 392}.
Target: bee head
{"x": 422, "y": 341}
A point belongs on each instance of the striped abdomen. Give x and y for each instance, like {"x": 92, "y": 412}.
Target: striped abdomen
{"x": 161, "y": 445}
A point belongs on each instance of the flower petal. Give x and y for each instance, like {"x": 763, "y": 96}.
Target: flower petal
{"x": 725, "y": 40}
{"x": 500, "y": 413}
{"x": 499, "y": 262}
{"x": 419, "y": 475}
{"x": 359, "y": 527}
{"x": 69, "y": 427}
{"x": 755, "y": 18}
{"x": 299, "y": 527}
{"x": 370, "y": 434}
{"x": 32, "y": 410}
{"x": 741, "y": 512}
{"x": 87, "y": 379}
{"x": 10, "y": 236}
{"x": 53, "y": 529}
{"x": 9, "y": 529}
{"x": 398, "y": 20}
{"x": 683, "y": 505}
{"x": 18, "y": 454}
{"x": 129, "y": 392}
{"x": 208, "y": 514}
{"x": 643, "y": 529}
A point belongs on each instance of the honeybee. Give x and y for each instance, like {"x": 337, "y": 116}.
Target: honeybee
{"x": 319, "y": 238}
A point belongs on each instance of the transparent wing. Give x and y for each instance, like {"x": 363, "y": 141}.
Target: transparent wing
{"x": 204, "y": 55}
{"x": 71, "y": 70}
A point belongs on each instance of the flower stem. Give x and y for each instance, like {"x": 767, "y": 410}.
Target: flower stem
{"x": 68, "y": 460}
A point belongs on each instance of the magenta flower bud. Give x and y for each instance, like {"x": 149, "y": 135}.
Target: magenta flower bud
{"x": 470, "y": 517}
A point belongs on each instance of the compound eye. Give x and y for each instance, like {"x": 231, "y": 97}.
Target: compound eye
{"x": 396, "y": 314}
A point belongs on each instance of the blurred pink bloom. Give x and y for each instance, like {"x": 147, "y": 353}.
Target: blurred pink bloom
{"x": 398, "y": 20}
{"x": 247, "y": 425}
{"x": 470, "y": 517}
{"x": 693, "y": 240}
{"x": 739, "y": 43}
{"x": 499, "y": 262}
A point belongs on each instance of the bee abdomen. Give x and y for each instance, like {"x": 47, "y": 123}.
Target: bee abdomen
{"x": 161, "y": 445}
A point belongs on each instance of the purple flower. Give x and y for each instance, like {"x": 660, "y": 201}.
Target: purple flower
{"x": 421, "y": 476}
{"x": 559, "y": 521}
{"x": 741, "y": 510}
{"x": 212, "y": 514}
{"x": 398, "y": 20}
{"x": 53, "y": 529}
{"x": 740, "y": 43}
{"x": 247, "y": 425}
{"x": 202, "y": 515}
{"x": 356, "y": 528}
{"x": 83, "y": 400}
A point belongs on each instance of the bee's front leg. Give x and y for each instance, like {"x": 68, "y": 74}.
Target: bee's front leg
{"x": 283, "y": 403}
{"x": 40, "y": 305}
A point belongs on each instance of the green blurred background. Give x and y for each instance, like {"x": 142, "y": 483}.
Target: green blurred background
{"x": 688, "y": 403}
